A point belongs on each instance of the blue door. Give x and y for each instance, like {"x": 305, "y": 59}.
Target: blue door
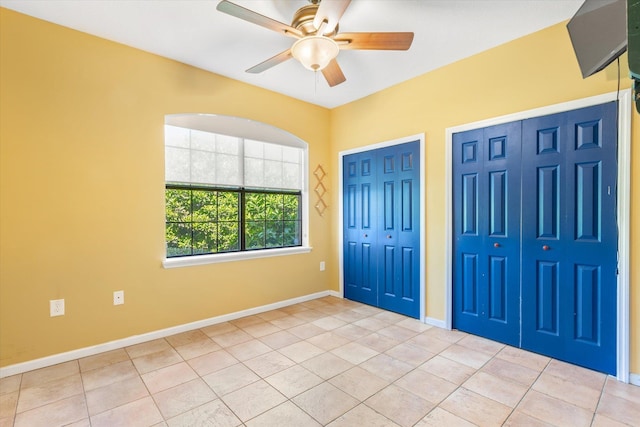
{"x": 486, "y": 206}
{"x": 382, "y": 228}
{"x": 554, "y": 266}
{"x": 569, "y": 249}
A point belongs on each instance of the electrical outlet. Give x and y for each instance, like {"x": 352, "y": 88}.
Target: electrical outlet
{"x": 56, "y": 307}
{"x": 118, "y": 297}
{"x": 321, "y": 265}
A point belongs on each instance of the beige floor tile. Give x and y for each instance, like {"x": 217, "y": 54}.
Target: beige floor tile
{"x": 511, "y": 371}
{"x": 524, "y": 358}
{"x": 328, "y": 340}
{"x": 519, "y": 419}
{"x": 219, "y": 329}
{"x": 386, "y": 367}
{"x": 230, "y": 379}
{"x": 574, "y": 393}
{"x": 294, "y": 380}
{"x": 243, "y": 322}
{"x": 261, "y": 329}
{"x": 212, "y": 362}
{"x": 427, "y": 386}
{"x": 272, "y": 314}
{"x": 8, "y": 404}
{"x": 103, "y": 359}
{"x": 359, "y": 383}
{"x": 399, "y": 405}
{"x": 447, "y": 369}
{"x": 329, "y": 323}
{"x": 185, "y": 338}
{"x": 352, "y": 332}
{"x": 168, "y": 377}
{"x": 602, "y": 421}
{"x": 354, "y": 352}
{"x": 116, "y": 394}
{"x": 249, "y": 350}
{"x": 309, "y": 315}
{"x": 59, "y": 413}
{"x": 414, "y": 324}
{"x": 279, "y": 339}
{"x": 475, "y": 408}
{"x": 148, "y": 347}
{"x": 501, "y": 390}
{"x": 49, "y": 392}
{"x": 362, "y": 415}
{"x": 301, "y": 351}
{"x": 253, "y": 400}
{"x": 397, "y": 332}
{"x": 429, "y": 343}
{"x": 372, "y": 324}
{"x": 153, "y": 361}
{"x": 619, "y": 409}
{"x": 306, "y": 330}
{"x": 108, "y": 375}
{"x": 286, "y": 414}
{"x": 554, "y": 411}
{"x": 466, "y": 356}
{"x": 232, "y": 338}
{"x": 327, "y": 365}
{"x": 390, "y": 317}
{"x": 269, "y": 363}
{"x": 197, "y": 348}
{"x": 576, "y": 374}
{"x": 7, "y": 421}
{"x": 183, "y": 398}
{"x": 410, "y": 354}
{"x": 350, "y": 316}
{"x": 141, "y": 413}
{"x": 378, "y": 342}
{"x": 325, "y": 402}
{"x": 287, "y": 322}
{"x": 484, "y": 345}
{"x": 10, "y": 384}
{"x": 616, "y": 388}
{"x": 51, "y": 373}
{"x": 451, "y": 336}
{"x": 214, "y": 413}
{"x": 438, "y": 417}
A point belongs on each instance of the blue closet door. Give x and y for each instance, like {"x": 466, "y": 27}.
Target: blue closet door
{"x": 569, "y": 251}
{"x": 381, "y": 190}
{"x": 486, "y": 206}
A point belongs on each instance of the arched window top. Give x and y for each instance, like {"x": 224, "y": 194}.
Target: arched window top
{"x": 235, "y": 126}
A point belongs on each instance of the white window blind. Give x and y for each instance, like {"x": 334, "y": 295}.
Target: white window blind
{"x": 205, "y": 158}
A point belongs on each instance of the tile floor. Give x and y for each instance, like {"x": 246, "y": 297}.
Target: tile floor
{"x": 324, "y": 362}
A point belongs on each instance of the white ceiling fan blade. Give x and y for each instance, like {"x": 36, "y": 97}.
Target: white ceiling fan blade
{"x": 330, "y": 11}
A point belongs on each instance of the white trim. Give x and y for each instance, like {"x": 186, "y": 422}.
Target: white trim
{"x": 420, "y": 137}
{"x": 624, "y": 180}
{"x": 137, "y": 339}
{"x": 232, "y": 256}
{"x": 634, "y": 379}
{"x": 435, "y": 322}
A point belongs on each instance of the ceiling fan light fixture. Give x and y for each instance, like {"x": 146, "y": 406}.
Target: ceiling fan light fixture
{"x": 315, "y": 52}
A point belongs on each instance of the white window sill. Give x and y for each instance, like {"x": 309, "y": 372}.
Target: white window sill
{"x": 232, "y": 256}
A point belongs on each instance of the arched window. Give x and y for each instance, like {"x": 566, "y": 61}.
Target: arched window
{"x": 234, "y": 189}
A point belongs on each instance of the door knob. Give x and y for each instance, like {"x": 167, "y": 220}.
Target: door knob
{"x": 496, "y": 245}
{"x": 546, "y": 247}
{"x": 365, "y": 235}
{"x": 388, "y": 236}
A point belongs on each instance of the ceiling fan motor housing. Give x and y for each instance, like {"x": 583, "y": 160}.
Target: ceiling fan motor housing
{"x": 303, "y": 21}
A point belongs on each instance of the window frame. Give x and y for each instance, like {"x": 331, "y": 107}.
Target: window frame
{"x": 247, "y": 129}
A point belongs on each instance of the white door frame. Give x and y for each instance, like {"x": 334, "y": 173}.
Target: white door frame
{"x": 341, "y": 154}
{"x": 623, "y": 214}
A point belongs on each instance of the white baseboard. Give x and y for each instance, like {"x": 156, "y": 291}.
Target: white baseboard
{"x": 55, "y": 359}
{"x": 435, "y": 322}
{"x": 634, "y": 379}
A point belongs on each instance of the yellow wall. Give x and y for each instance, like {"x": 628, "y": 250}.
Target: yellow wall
{"x": 81, "y": 177}
{"x": 530, "y": 72}
{"x": 82, "y": 192}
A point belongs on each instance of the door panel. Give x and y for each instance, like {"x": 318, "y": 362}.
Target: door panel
{"x": 381, "y": 190}
{"x": 575, "y": 209}
{"x": 486, "y": 210}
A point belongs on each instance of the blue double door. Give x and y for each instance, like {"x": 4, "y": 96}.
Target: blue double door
{"x": 535, "y": 235}
{"x": 381, "y": 228}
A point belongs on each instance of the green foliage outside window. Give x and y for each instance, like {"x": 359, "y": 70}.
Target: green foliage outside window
{"x": 204, "y": 221}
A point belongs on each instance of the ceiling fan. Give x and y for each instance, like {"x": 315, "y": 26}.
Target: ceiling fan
{"x": 318, "y": 43}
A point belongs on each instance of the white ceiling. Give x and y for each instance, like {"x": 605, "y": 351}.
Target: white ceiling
{"x": 194, "y": 32}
